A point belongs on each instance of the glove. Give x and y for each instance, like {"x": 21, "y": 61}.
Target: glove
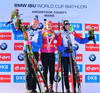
{"x": 27, "y": 42}
{"x": 10, "y": 22}
{"x": 90, "y": 38}
{"x": 68, "y": 50}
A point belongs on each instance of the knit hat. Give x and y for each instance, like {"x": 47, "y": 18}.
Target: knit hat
{"x": 65, "y": 22}
{"x": 35, "y": 20}
{"x": 47, "y": 22}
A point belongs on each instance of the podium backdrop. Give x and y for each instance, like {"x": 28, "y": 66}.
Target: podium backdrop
{"x": 80, "y": 13}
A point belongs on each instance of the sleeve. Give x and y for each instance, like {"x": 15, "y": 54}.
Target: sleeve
{"x": 56, "y": 36}
{"x": 15, "y": 32}
{"x": 76, "y": 35}
{"x": 79, "y": 39}
{"x": 39, "y": 44}
{"x": 82, "y": 41}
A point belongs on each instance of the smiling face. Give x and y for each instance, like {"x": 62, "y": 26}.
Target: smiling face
{"x": 49, "y": 26}
{"x": 67, "y": 27}
{"x": 34, "y": 25}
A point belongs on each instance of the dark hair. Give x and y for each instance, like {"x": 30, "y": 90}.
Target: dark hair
{"x": 65, "y": 25}
{"x": 64, "y": 28}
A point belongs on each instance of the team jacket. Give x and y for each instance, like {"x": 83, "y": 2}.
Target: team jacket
{"x": 48, "y": 40}
{"x": 62, "y": 42}
{"x": 34, "y": 36}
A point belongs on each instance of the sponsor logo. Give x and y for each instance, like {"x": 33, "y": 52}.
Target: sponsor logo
{"x": 40, "y": 26}
{"x": 56, "y": 68}
{"x": 5, "y": 35}
{"x": 96, "y": 36}
{"x": 23, "y": 24}
{"x": 19, "y": 78}
{"x": 70, "y": 79}
{"x": 19, "y": 67}
{"x": 5, "y": 56}
{"x": 79, "y": 57}
{"x": 18, "y": 46}
{"x": 80, "y": 67}
{"x": 55, "y": 26}
{"x": 39, "y": 54}
{"x": 91, "y": 47}
{"x": 5, "y": 78}
{"x": 92, "y": 68}
{"x": 56, "y": 59}
{"x": 76, "y": 46}
{"x": 55, "y": 45}
{"x": 76, "y": 26}
{"x": 92, "y": 79}
{"x": 3, "y": 46}
{"x": 92, "y": 57}
{"x": 3, "y": 26}
{"x": 20, "y": 57}
{"x": 5, "y": 67}
{"x": 18, "y": 37}
{"x": 56, "y": 77}
{"x": 39, "y": 59}
{"x": 41, "y": 67}
{"x": 40, "y": 79}
{"x": 56, "y": 56}
{"x": 95, "y": 26}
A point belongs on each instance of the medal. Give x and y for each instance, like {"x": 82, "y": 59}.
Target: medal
{"x": 49, "y": 35}
{"x": 49, "y": 40}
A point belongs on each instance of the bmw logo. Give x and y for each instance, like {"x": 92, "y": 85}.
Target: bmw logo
{"x": 76, "y": 46}
{"x": 40, "y": 26}
{"x": 49, "y": 35}
{"x": 55, "y": 78}
{"x": 32, "y": 34}
{"x": 20, "y": 57}
{"x": 3, "y": 46}
{"x": 41, "y": 67}
{"x": 92, "y": 57}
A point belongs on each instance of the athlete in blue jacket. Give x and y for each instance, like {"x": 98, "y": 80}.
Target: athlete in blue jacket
{"x": 62, "y": 46}
{"x": 35, "y": 40}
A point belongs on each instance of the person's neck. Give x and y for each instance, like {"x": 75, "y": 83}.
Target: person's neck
{"x": 66, "y": 31}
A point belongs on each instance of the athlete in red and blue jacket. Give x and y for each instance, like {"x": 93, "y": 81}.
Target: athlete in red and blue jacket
{"x": 62, "y": 46}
